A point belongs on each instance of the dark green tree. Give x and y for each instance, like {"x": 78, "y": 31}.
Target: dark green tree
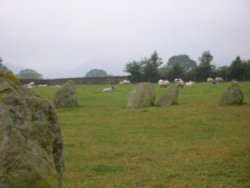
{"x": 145, "y": 70}
{"x": 238, "y": 69}
{"x": 247, "y": 65}
{"x": 150, "y": 68}
{"x": 206, "y": 59}
{"x": 184, "y": 62}
{"x": 96, "y": 73}
{"x": 205, "y": 68}
{"x": 223, "y": 72}
{"x": 176, "y": 71}
{"x": 29, "y": 74}
{"x": 135, "y": 70}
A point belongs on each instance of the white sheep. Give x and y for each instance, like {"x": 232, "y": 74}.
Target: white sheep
{"x": 210, "y": 80}
{"x": 190, "y": 83}
{"x": 30, "y": 85}
{"x": 234, "y": 81}
{"x": 219, "y": 79}
{"x": 163, "y": 83}
{"x": 124, "y": 82}
{"x": 179, "y": 82}
{"x": 43, "y": 85}
{"x": 108, "y": 89}
{"x": 57, "y": 86}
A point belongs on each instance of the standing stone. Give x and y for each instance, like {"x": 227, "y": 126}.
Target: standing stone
{"x": 31, "y": 147}
{"x": 66, "y": 96}
{"x": 169, "y": 97}
{"x": 142, "y": 96}
{"x": 232, "y": 95}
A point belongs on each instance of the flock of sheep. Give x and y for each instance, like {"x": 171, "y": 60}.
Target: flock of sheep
{"x": 32, "y": 84}
{"x": 165, "y": 83}
{"x": 161, "y": 83}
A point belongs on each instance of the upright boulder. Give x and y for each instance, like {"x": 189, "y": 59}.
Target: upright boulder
{"x": 142, "y": 96}
{"x": 169, "y": 97}
{"x": 232, "y": 95}
{"x": 66, "y": 95}
{"x": 31, "y": 147}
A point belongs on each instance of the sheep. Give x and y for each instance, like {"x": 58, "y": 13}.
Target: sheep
{"x": 179, "y": 82}
{"x": 43, "y": 85}
{"x": 234, "y": 81}
{"x": 57, "y": 86}
{"x": 124, "y": 82}
{"x": 210, "y": 80}
{"x": 190, "y": 83}
{"x": 219, "y": 79}
{"x": 163, "y": 83}
{"x": 108, "y": 89}
{"x": 30, "y": 85}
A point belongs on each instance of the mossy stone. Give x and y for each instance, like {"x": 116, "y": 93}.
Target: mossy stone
{"x": 169, "y": 97}
{"x": 142, "y": 96}
{"x": 232, "y": 95}
{"x": 66, "y": 96}
{"x": 31, "y": 147}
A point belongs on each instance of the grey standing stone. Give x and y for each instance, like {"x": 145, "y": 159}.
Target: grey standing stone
{"x": 31, "y": 147}
{"x": 66, "y": 96}
{"x": 232, "y": 95}
{"x": 142, "y": 96}
{"x": 169, "y": 97}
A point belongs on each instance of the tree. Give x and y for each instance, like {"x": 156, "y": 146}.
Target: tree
{"x": 150, "y": 68}
{"x": 29, "y": 74}
{"x": 205, "y": 68}
{"x": 176, "y": 71}
{"x": 206, "y": 58}
{"x": 145, "y": 70}
{"x": 238, "y": 69}
{"x": 247, "y": 65}
{"x": 223, "y": 72}
{"x": 135, "y": 70}
{"x": 96, "y": 73}
{"x": 184, "y": 62}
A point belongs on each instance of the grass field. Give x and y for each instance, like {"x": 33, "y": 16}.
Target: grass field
{"x": 196, "y": 143}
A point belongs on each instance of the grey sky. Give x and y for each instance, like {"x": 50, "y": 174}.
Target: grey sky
{"x": 59, "y": 37}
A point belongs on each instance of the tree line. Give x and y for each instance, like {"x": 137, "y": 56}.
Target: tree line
{"x": 181, "y": 66}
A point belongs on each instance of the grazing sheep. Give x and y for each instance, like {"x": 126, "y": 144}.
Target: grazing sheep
{"x": 179, "y": 82}
{"x": 219, "y": 79}
{"x": 210, "y": 80}
{"x": 163, "y": 83}
{"x": 30, "y": 85}
{"x": 190, "y": 83}
{"x": 234, "y": 81}
{"x": 124, "y": 82}
{"x": 108, "y": 89}
{"x": 43, "y": 85}
{"x": 57, "y": 86}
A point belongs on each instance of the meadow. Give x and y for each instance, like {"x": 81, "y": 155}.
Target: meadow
{"x": 196, "y": 143}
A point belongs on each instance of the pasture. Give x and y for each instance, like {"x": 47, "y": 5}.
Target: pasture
{"x": 196, "y": 143}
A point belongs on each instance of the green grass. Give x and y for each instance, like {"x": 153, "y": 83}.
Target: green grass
{"x": 196, "y": 143}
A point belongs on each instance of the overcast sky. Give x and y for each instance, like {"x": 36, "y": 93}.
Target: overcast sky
{"x": 59, "y": 37}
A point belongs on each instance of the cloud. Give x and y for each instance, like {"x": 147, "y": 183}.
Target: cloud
{"x": 62, "y": 34}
